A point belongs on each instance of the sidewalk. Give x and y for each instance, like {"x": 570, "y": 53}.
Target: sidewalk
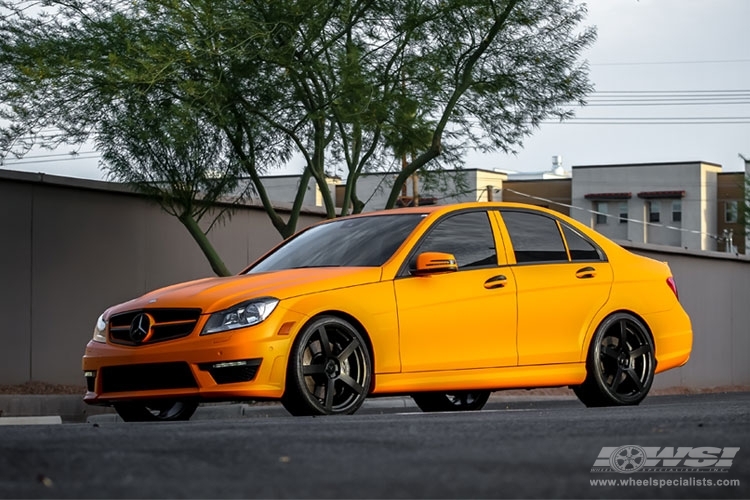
{"x": 71, "y": 408}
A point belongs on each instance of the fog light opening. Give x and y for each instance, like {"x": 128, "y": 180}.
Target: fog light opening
{"x": 230, "y": 372}
{"x": 90, "y": 376}
{"x": 229, "y": 364}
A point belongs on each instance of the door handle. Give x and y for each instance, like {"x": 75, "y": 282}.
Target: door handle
{"x": 586, "y": 272}
{"x": 495, "y": 282}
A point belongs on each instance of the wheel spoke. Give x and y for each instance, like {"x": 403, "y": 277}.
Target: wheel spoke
{"x": 637, "y": 353}
{"x": 330, "y": 390}
{"x": 609, "y": 351}
{"x": 324, "y": 341}
{"x": 313, "y": 369}
{"x": 353, "y": 384}
{"x": 630, "y": 373}
{"x": 343, "y": 355}
{"x": 616, "y": 380}
{"x": 623, "y": 334}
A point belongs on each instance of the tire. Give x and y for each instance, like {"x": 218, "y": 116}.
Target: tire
{"x": 620, "y": 364}
{"x": 329, "y": 370}
{"x": 451, "y": 401}
{"x": 156, "y": 411}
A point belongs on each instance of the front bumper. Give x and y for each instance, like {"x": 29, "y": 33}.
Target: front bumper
{"x": 248, "y": 363}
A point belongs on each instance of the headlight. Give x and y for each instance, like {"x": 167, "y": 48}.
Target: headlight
{"x": 245, "y": 314}
{"x": 100, "y": 330}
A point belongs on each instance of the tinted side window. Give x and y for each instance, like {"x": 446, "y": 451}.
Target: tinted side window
{"x": 580, "y": 249}
{"x": 468, "y": 236}
{"x": 535, "y": 238}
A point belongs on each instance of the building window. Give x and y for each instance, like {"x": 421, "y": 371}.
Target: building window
{"x": 676, "y": 210}
{"x": 623, "y": 209}
{"x": 601, "y": 212}
{"x": 653, "y": 211}
{"x": 731, "y": 212}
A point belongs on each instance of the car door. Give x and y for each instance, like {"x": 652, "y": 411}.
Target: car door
{"x": 463, "y": 319}
{"x": 562, "y": 280}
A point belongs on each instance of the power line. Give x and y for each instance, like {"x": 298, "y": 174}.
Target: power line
{"x": 680, "y": 92}
{"x": 582, "y": 121}
{"x": 71, "y": 154}
{"x": 10, "y": 163}
{"x": 627, "y": 118}
{"x": 594, "y": 212}
{"x": 658, "y": 63}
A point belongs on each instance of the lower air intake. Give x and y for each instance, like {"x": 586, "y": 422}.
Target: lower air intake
{"x": 147, "y": 377}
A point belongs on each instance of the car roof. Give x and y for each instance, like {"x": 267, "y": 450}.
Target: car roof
{"x": 455, "y": 206}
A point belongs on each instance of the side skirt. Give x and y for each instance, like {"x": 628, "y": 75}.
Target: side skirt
{"x": 512, "y": 377}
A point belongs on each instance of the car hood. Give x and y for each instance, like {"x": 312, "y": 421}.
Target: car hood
{"x": 214, "y": 294}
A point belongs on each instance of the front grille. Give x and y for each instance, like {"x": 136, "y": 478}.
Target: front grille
{"x": 232, "y": 371}
{"x": 147, "y": 377}
{"x": 169, "y": 324}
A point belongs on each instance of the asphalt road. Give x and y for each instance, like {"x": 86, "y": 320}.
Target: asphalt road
{"x": 510, "y": 450}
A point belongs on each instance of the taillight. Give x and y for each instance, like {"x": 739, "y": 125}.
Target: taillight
{"x": 671, "y": 284}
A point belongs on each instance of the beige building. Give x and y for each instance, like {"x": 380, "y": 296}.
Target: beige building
{"x": 672, "y": 204}
{"x": 444, "y": 187}
{"x": 548, "y": 193}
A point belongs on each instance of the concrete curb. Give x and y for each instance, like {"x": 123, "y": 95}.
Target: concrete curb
{"x": 72, "y": 409}
{"x": 30, "y": 420}
{"x": 68, "y": 407}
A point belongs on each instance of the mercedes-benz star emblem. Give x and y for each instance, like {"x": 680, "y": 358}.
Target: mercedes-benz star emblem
{"x": 140, "y": 328}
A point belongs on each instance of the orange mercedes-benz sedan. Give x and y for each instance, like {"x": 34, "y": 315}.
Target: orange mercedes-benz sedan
{"x": 444, "y": 303}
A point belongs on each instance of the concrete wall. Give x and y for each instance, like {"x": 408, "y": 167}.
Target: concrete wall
{"x": 70, "y": 248}
{"x": 715, "y": 291}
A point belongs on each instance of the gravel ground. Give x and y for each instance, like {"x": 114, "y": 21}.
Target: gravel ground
{"x": 42, "y": 388}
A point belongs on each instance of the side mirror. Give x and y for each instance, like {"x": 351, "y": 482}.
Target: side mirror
{"x": 435, "y": 262}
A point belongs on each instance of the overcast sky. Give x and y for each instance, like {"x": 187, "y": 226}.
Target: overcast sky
{"x": 664, "y": 46}
{"x": 689, "y": 60}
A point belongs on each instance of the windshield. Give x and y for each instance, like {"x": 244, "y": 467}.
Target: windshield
{"x": 357, "y": 242}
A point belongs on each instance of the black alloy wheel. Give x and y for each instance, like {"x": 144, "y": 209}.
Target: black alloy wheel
{"x": 156, "y": 411}
{"x": 620, "y": 365}
{"x": 329, "y": 371}
{"x": 451, "y": 401}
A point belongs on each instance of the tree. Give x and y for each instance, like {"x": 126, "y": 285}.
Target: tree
{"x": 180, "y": 160}
{"x": 89, "y": 71}
{"x": 501, "y": 67}
{"x": 371, "y": 85}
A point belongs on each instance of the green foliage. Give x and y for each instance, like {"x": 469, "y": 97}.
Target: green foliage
{"x": 353, "y": 85}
